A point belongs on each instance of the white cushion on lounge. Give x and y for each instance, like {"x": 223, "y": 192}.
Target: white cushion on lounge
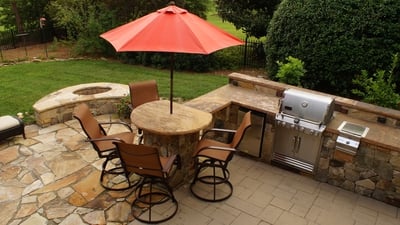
{"x": 7, "y": 122}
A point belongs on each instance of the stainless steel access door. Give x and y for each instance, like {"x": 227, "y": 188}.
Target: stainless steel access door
{"x": 295, "y": 148}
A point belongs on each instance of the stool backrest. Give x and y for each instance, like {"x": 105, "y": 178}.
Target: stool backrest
{"x": 89, "y": 124}
{"x": 143, "y": 92}
{"x": 140, "y": 159}
{"x": 246, "y": 123}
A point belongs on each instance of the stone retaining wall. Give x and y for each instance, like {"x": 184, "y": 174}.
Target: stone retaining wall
{"x": 372, "y": 172}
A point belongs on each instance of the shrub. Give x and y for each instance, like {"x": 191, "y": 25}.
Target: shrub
{"x": 291, "y": 72}
{"x": 379, "y": 88}
{"x": 124, "y": 107}
{"x": 226, "y": 59}
{"x": 335, "y": 39}
{"x": 89, "y": 42}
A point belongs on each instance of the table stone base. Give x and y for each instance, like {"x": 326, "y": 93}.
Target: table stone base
{"x": 183, "y": 145}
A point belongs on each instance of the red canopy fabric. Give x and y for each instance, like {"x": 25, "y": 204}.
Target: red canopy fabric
{"x": 170, "y": 29}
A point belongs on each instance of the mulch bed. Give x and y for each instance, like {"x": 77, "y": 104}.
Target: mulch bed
{"x": 40, "y": 51}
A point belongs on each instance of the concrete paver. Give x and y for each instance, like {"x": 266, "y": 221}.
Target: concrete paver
{"x": 52, "y": 177}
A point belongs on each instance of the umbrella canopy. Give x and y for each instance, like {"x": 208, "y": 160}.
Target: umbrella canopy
{"x": 170, "y": 29}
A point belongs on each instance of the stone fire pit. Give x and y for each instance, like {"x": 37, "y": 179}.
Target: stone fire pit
{"x": 57, "y": 107}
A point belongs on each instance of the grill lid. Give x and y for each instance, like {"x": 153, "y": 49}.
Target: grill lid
{"x": 307, "y": 106}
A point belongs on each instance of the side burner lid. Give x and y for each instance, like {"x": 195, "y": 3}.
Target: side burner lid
{"x": 353, "y": 129}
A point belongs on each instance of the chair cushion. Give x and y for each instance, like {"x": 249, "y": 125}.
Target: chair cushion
{"x": 212, "y": 153}
{"x": 127, "y": 137}
{"x": 7, "y": 122}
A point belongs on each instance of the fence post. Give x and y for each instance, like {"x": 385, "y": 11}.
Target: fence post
{"x": 43, "y": 36}
{"x": 245, "y": 52}
{"x": 23, "y": 36}
{"x": 14, "y": 43}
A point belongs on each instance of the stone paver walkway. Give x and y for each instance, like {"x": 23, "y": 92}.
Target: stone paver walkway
{"x": 52, "y": 177}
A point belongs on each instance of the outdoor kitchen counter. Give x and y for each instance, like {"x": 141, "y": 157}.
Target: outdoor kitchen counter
{"x": 229, "y": 94}
{"x": 378, "y": 135}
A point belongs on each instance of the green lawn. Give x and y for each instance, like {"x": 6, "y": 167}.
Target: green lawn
{"x": 213, "y": 18}
{"x": 228, "y": 27}
{"x": 23, "y": 84}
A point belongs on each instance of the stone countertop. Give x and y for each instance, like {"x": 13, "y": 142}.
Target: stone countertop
{"x": 379, "y": 135}
{"x": 229, "y": 94}
{"x": 155, "y": 117}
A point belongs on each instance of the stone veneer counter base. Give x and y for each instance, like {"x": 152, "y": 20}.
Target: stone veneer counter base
{"x": 374, "y": 171}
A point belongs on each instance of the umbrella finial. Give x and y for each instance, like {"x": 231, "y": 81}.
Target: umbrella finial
{"x": 171, "y": 3}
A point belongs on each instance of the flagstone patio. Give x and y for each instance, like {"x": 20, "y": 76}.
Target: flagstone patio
{"x": 52, "y": 177}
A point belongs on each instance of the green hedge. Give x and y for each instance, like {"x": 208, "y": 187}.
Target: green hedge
{"x": 335, "y": 39}
{"x": 225, "y": 59}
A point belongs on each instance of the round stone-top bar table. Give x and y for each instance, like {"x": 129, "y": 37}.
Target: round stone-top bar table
{"x": 176, "y": 133}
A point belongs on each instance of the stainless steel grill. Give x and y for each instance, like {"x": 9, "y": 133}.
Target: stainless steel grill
{"x": 299, "y": 124}
{"x": 305, "y": 111}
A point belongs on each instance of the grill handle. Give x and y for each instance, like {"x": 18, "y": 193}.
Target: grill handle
{"x": 294, "y": 144}
{"x": 298, "y": 144}
{"x": 296, "y": 140}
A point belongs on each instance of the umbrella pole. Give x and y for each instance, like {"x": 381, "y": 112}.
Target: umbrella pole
{"x": 171, "y": 80}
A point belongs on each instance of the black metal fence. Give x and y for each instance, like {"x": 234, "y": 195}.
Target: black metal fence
{"x": 253, "y": 52}
{"x": 11, "y": 39}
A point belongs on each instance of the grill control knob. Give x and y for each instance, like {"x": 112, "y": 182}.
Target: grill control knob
{"x": 301, "y": 129}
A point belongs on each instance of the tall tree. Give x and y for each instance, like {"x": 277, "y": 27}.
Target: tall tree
{"x": 128, "y": 10}
{"x": 252, "y": 16}
{"x": 74, "y": 14}
{"x": 22, "y": 15}
{"x": 18, "y": 21}
{"x": 85, "y": 20}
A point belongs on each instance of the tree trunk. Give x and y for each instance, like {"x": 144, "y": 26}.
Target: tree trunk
{"x": 18, "y": 21}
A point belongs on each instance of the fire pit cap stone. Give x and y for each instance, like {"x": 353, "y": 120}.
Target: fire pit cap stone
{"x": 81, "y": 93}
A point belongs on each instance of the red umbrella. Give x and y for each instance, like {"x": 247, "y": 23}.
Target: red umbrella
{"x": 170, "y": 29}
